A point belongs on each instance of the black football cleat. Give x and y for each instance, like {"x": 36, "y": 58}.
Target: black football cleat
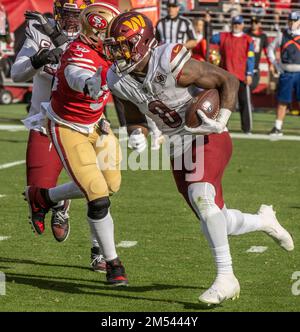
{"x": 115, "y": 273}
{"x": 98, "y": 262}
{"x": 275, "y": 132}
{"x": 60, "y": 221}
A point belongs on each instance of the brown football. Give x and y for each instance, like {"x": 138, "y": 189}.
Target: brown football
{"x": 208, "y": 101}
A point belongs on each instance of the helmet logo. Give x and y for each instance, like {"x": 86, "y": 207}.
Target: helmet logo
{"x": 98, "y": 22}
{"x": 135, "y": 23}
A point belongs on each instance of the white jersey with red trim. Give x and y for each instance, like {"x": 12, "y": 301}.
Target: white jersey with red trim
{"x": 158, "y": 96}
{"x": 22, "y": 70}
{"x": 69, "y": 102}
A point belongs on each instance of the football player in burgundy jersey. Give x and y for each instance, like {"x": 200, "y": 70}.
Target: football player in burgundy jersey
{"x": 155, "y": 81}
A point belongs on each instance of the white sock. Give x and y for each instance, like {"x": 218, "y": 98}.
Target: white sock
{"x": 278, "y": 124}
{"x": 65, "y": 191}
{"x": 95, "y": 243}
{"x": 241, "y": 223}
{"x": 104, "y": 233}
{"x": 214, "y": 225}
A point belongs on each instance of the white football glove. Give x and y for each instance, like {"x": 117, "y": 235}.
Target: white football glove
{"x": 137, "y": 141}
{"x": 210, "y": 126}
{"x": 93, "y": 86}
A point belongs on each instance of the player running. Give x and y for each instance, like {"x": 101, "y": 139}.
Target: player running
{"x": 80, "y": 133}
{"x": 155, "y": 81}
{"x": 37, "y": 60}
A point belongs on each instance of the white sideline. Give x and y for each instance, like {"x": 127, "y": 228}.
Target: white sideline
{"x": 266, "y": 137}
{"x": 15, "y": 163}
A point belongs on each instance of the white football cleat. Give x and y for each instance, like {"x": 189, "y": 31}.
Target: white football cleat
{"x": 224, "y": 288}
{"x": 272, "y": 227}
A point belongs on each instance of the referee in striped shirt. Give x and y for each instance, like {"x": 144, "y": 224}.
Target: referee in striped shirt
{"x": 175, "y": 28}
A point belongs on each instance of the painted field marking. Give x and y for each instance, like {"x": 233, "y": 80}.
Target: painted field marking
{"x": 126, "y": 244}
{"x": 14, "y": 163}
{"x": 257, "y": 249}
{"x": 13, "y": 128}
{"x": 1, "y": 196}
{"x": 266, "y": 137}
{"x": 2, "y": 238}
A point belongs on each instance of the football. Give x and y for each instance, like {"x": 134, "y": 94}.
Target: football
{"x": 208, "y": 102}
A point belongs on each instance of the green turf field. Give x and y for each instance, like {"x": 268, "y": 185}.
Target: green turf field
{"x": 171, "y": 263}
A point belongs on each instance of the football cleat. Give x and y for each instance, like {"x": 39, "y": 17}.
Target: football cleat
{"x": 60, "y": 221}
{"x": 98, "y": 262}
{"x": 272, "y": 227}
{"x": 37, "y": 211}
{"x": 115, "y": 273}
{"x": 275, "y": 132}
{"x": 224, "y": 288}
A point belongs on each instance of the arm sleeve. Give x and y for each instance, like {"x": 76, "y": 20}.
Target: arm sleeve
{"x": 158, "y": 32}
{"x": 22, "y": 70}
{"x": 251, "y": 59}
{"x": 216, "y": 39}
{"x": 190, "y": 31}
{"x": 272, "y": 48}
{"x": 76, "y": 77}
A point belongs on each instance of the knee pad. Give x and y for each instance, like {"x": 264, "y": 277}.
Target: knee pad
{"x": 202, "y": 198}
{"x": 98, "y": 208}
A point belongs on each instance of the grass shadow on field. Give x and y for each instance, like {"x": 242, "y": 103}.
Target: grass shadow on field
{"x": 60, "y": 284}
{"x": 31, "y": 262}
{"x": 13, "y": 140}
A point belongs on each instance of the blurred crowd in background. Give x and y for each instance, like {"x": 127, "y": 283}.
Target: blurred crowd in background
{"x": 243, "y": 37}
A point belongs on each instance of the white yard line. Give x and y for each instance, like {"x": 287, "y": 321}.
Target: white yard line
{"x": 14, "y": 163}
{"x": 13, "y": 127}
{"x": 265, "y": 137}
{"x": 1, "y": 196}
{"x": 2, "y": 238}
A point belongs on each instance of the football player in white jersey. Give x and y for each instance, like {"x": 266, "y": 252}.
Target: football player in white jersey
{"x": 37, "y": 60}
{"x": 155, "y": 81}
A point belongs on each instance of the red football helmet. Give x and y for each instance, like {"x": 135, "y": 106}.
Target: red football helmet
{"x": 129, "y": 39}
{"x": 67, "y": 15}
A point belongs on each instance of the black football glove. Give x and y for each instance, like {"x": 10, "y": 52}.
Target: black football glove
{"x": 53, "y": 32}
{"x": 44, "y": 57}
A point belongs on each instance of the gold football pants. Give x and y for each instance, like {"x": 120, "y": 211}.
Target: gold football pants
{"x": 91, "y": 160}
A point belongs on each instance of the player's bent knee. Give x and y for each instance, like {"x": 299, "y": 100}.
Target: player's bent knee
{"x": 202, "y": 198}
{"x": 98, "y": 208}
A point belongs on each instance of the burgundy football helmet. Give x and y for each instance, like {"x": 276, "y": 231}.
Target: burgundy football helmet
{"x": 129, "y": 39}
{"x": 67, "y": 13}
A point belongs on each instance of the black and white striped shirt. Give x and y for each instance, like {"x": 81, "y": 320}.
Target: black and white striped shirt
{"x": 178, "y": 30}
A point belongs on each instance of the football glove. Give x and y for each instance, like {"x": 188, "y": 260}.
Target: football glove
{"x": 210, "y": 126}
{"x": 44, "y": 57}
{"x": 93, "y": 86}
{"x": 137, "y": 141}
{"x": 53, "y": 32}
